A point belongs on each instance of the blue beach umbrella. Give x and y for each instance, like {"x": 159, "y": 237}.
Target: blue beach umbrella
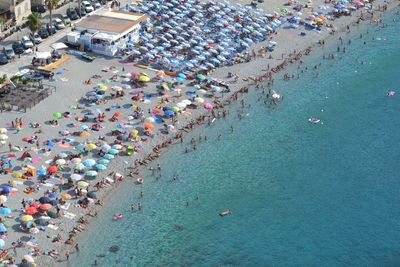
{"x": 108, "y": 156}
{"x": 113, "y": 151}
{"x": 2, "y": 228}
{"x": 100, "y": 167}
{"x": 5, "y": 211}
{"x": 103, "y": 161}
{"x": 89, "y": 162}
{"x": 44, "y": 200}
{"x": 6, "y": 188}
{"x": 2, "y": 243}
{"x": 52, "y": 195}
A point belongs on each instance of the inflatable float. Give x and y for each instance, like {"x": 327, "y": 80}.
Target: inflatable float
{"x": 139, "y": 180}
{"x": 118, "y": 216}
{"x": 390, "y": 93}
{"x": 314, "y": 120}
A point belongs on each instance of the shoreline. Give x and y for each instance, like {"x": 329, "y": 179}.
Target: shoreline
{"x": 107, "y": 194}
{"x": 250, "y": 86}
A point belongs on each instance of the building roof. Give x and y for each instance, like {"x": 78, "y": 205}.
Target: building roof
{"x": 112, "y": 21}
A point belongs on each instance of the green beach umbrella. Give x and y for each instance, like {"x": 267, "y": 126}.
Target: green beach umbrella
{"x": 57, "y": 115}
{"x": 91, "y": 195}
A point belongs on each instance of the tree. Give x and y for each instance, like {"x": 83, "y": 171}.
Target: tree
{"x": 34, "y": 24}
{"x": 51, "y": 5}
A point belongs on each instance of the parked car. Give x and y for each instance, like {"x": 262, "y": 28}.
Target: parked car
{"x": 51, "y": 29}
{"x": 18, "y": 47}
{"x": 3, "y": 59}
{"x": 87, "y": 6}
{"x": 43, "y": 33}
{"x": 59, "y": 24}
{"x": 83, "y": 12}
{"x": 35, "y": 38}
{"x": 95, "y": 4}
{"x": 72, "y": 14}
{"x": 66, "y": 19}
{"x": 9, "y": 52}
{"x": 26, "y": 42}
{"x": 39, "y": 9}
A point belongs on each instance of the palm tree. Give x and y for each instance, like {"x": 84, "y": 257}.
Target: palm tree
{"x": 34, "y": 24}
{"x": 51, "y": 4}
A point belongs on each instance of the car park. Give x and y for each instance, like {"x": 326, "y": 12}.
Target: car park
{"x": 26, "y": 42}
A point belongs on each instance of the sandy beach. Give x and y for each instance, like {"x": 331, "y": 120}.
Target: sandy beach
{"x": 71, "y": 87}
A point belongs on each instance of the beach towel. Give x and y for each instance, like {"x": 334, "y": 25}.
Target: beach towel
{"x": 66, "y": 206}
{"x": 37, "y": 159}
{"x": 69, "y": 215}
{"x": 52, "y": 226}
{"x": 32, "y": 244}
{"x": 64, "y": 79}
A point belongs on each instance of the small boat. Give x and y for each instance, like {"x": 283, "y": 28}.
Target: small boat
{"x": 225, "y": 212}
{"x": 139, "y": 180}
{"x": 314, "y": 120}
{"x": 171, "y": 73}
{"x": 142, "y": 66}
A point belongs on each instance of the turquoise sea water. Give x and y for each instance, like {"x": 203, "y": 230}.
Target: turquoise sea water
{"x": 301, "y": 194}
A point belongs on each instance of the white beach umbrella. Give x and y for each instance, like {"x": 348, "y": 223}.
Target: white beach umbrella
{"x": 3, "y": 137}
{"x": 76, "y": 177}
{"x": 3, "y": 130}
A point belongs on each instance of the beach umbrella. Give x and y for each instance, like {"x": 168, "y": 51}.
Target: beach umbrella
{"x": 79, "y": 166}
{"x": 85, "y": 134}
{"x": 148, "y": 125}
{"x": 80, "y": 148}
{"x": 117, "y": 114}
{"x": 199, "y": 100}
{"x": 175, "y": 109}
{"x": 52, "y": 195}
{"x": 30, "y": 210}
{"x": 186, "y": 101}
{"x": 66, "y": 196}
{"x": 76, "y": 160}
{"x": 91, "y": 195}
{"x": 76, "y": 177}
{"x": 150, "y": 120}
{"x": 134, "y": 133}
{"x": 61, "y": 162}
{"x": 91, "y": 173}
{"x": 82, "y": 184}
{"x": 3, "y": 199}
{"x": 169, "y": 113}
{"x": 100, "y": 167}
{"x": 2, "y": 243}
{"x": 3, "y": 130}
{"x": 45, "y": 206}
{"x": 2, "y": 228}
{"x": 181, "y": 105}
{"x": 52, "y": 169}
{"x": 5, "y": 211}
{"x": 117, "y": 146}
{"x": 143, "y": 78}
{"x": 208, "y": 106}
{"x": 57, "y": 115}
{"x": 26, "y": 218}
{"x": 44, "y": 200}
{"x": 89, "y": 162}
{"x": 3, "y": 137}
{"x": 108, "y": 156}
{"x": 91, "y": 146}
{"x": 103, "y": 161}
{"x": 63, "y": 155}
{"x": 41, "y": 222}
{"x": 51, "y": 214}
{"x": 6, "y": 188}
{"x": 113, "y": 151}
{"x": 105, "y": 147}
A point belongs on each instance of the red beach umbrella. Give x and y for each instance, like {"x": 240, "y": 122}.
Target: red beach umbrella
{"x": 52, "y": 169}
{"x": 30, "y": 210}
{"x": 45, "y": 207}
{"x": 117, "y": 114}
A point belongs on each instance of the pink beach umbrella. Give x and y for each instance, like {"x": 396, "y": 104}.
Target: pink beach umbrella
{"x": 208, "y": 106}
{"x": 359, "y": 4}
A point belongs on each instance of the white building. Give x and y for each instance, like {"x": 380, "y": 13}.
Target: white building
{"x": 106, "y": 33}
{"x": 19, "y": 9}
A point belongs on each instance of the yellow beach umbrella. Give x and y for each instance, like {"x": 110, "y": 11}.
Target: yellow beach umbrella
{"x": 134, "y": 133}
{"x": 85, "y": 134}
{"x": 26, "y": 218}
{"x": 17, "y": 175}
{"x": 143, "y": 78}
{"x": 103, "y": 87}
{"x": 91, "y": 146}
{"x": 82, "y": 184}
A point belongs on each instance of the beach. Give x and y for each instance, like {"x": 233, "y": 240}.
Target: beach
{"x": 70, "y": 87}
